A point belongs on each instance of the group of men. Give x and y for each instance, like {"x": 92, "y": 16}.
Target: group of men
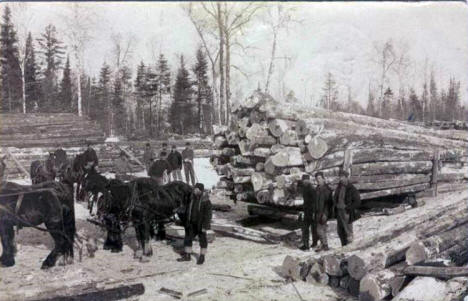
{"x": 168, "y": 165}
{"x": 321, "y": 204}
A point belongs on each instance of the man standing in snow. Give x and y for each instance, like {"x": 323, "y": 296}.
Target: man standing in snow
{"x": 187, "y": 156}
{"x": 175, "y": 161}
{"x": 90, "y": 157}
{"x": 323, "y": 208}
{"x": 197, "y": 218}
{"x": 346, "y": 201}
{"x": 309, "y": 195}
{"x": 148, "y": 155}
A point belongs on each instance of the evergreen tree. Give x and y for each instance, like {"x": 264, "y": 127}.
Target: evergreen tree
{"x": 453, "y": 100}
{"x": 101, "y": 111}
{"x": 31, "y": 69}
{"x": 11, "y": 89}
{"x": 150, "y": 93}
{"x": 66, "y": 94}
{"x": 164, "y": 91}
{"x": 387, "y": 107}
{"x": 139, "y": 92}
{"x": 181, "y": 114}
{"x": 415, "y": 107}
{"x": 52, "y": 52}
{"x": 203, "y": 95}
{"x": 330, "y": 93}
{"x": 425, "y": 103}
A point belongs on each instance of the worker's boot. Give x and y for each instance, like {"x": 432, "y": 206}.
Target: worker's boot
{"x": 184, "y": 257}
{"x": 201, "y": 259}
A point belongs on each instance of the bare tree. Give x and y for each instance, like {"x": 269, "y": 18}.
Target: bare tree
{"x": 79, "y": 21}
{"x": 385, "y": 59}
{"x": 22, "y": 17}
{"x": 278, "y": 18}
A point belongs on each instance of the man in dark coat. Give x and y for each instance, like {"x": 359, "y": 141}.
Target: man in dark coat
{"x": 309, "y": 195}
{"x": 158, "y": 170}
{"x": 90, "y": 157}
{"x": 148, "y": 156}
{"x": 175, "y": 162}
{"x": 346, "y": 201}
{"x": 187, "y": 156}
{"x": 323, "y": 208}
{"x": 197, "y": 218}
{"x": 50, "y": 167}
{"x": 60, "y": 158}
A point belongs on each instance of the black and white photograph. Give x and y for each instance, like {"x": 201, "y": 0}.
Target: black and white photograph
{"x": 203, "y": 150}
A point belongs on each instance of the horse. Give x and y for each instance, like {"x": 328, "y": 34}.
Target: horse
{"x": 30, "y": 206}
{"x": 141, "y": 202}
{"x": 39, "y": 173}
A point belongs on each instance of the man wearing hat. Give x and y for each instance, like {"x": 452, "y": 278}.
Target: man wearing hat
{"x": 50, "y": 167}
{"x": 175, "y": 162}
{"x": 323, "y": 210}
{"x": 122, "y": 167}
{"x": 90, "y": 157}
{"x": 148, "y": 156}
{"x": 197, "y": 221}
{"x": 309, "y": 195}
{"x": 346, "y": 201}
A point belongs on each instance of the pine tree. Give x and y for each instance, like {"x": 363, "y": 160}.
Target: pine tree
{"x": 101, "y": 111}
{"x": 425, "y": 103}
{"x": 30, "y": 75}
{"x": 203, "y": 95}
{"x": 330, "y": 93}
{"x": 11, "y": 92}
{"x": 150, "y": 93}
{"x": 139, "y": 92}
{"x": 453, "y": 101}
{"x": 66, "y": 94}
{"x": 164, "y": 92}
{"x": 182, "y": 115}
{"x": 415, "y": 107}
{"x": 387, "y": 106}
{"x": 52, "y": 52}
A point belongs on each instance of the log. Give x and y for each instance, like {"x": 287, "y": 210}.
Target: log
{"x": 260, "y": 181}
{"x": 291, "y": 267}
{"x": 404, "y": 180}
{"x": 245, "y": 148}
{"x": 229, "y": 151}
{"x": 247, "y": 161}
{"x": 263, "y": 196}
{"x": 284, "y": 181}
{"x": 289, "y": 138}
{"x": 456, "y": 289}
{"x": 437, "y": 272}
{"x": 260, "y": 166}
{"x": 457, "y": 254}
{"x": 271, "y": 213}
{"x": 332, "y": 265}
{"x": 257, "y": 141}
{"x": 277, "y": 148}
{"x": 239, "y": 172}
{"x": 423, "y": 289}
{"x": 398, "y": 283}
{"x": 278, "y": 196}
{"x": 379, "y": 168}
{"x": 317, "y": 147}
{"x": 395, "y": 191}
{"x": 262, "y": 152}
{"x": 256, "y": 117}
{"x": 381, "y": 257}
{"x": 429, "y": 248}
{"x": 115, "y": 293}
{"x": 256, "y": 130}
{"x": 232, "y": 138}
{"x": 278, "y": 126}
{"x": 376, "y": 286}
{"x": 241, "y": 179}
{"x": 290, "y": 156}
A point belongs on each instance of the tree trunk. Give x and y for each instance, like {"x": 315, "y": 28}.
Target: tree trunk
{"x": 272, "y": 62}
{"x": 423, "y": 288}
{"x": 429, "y": 248}
{"x": 278, "y": 126}
{"x": 228, "y": 72}
{"x": 23, "y": 86}
{"x": 221, "y": 65}
{"x": 376, "y": 286}
{"x": 437, "y": 272}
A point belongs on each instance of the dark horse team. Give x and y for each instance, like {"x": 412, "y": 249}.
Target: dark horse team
{"x": 144, "y": 203}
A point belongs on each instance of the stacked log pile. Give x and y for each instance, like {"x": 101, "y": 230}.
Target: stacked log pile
{"x": 429, "y": 252}
{"x": 48, "y": 130}
{"x": 270, "y": 145}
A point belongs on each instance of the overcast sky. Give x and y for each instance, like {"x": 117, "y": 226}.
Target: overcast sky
{"x": 332, "y": 37}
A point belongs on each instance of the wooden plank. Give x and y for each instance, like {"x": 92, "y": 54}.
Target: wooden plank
{"x": 437, "y": 272}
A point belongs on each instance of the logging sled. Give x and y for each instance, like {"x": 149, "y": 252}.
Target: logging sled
{"x": 269, "y": 147}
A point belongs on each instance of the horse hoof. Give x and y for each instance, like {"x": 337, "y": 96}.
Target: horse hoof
{"x": 4, "y": 262}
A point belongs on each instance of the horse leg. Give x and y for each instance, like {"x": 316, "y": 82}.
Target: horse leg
{"x": 70, "y": 230}
{"x": 57, "y": 232}
{"x": 161, "y": 232}
{"x": 7, "y": 234}
{"x": 147, "y": 250}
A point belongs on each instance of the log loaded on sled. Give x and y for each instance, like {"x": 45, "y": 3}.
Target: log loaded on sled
{"x": 269, "y": 145}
